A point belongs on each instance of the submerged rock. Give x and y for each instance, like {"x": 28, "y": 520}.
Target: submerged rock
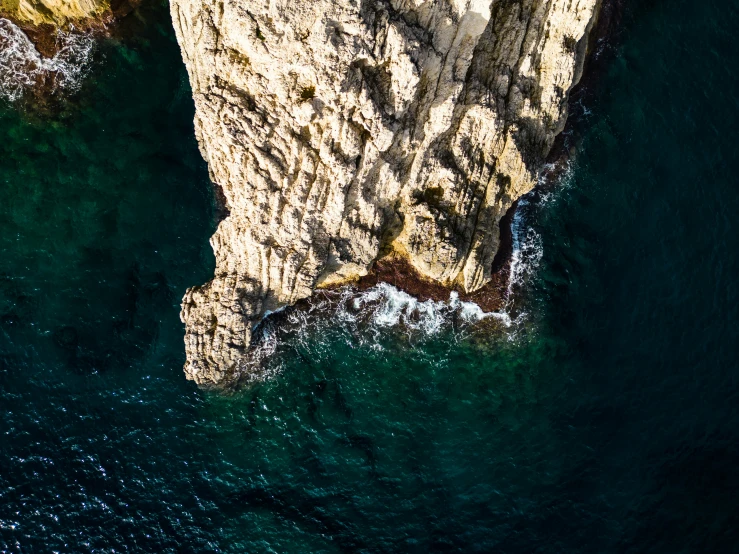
{"x": 344, "y": 131}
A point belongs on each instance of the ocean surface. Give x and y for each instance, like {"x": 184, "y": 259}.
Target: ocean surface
{"x": 599, "y": 412}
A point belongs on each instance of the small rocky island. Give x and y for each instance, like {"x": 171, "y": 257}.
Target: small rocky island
{"x": 342, "y": 132}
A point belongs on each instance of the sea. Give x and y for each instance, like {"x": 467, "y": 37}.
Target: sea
{"x": 597, "y": 412}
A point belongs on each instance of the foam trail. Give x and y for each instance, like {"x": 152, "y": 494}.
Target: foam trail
{"x": 390, "y": 307}
{"x": 22, "y": 67}
{"x": 362, "y": 319}
{"x": 527, "y": 249}
{"x": 384, "y": 307}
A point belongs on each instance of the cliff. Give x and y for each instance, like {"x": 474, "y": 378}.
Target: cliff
{"x": 53, "y": 12}
{"x": 342, "y": 131}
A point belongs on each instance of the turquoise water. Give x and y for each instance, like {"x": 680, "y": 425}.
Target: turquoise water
{"x": 605, "y": 419}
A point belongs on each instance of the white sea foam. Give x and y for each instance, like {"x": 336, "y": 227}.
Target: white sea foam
{"x": 386, "y": 306}
{"x": 268, "y": 341}
{"x": 22, "y": 67}
{"x": 527, "y": 249}
{"x": 365, "y": 316}
{"x": 584, "y": 111}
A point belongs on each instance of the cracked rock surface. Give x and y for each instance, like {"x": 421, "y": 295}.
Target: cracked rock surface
{"x": 341, "y": 131}
{"x": 53, "y": 12}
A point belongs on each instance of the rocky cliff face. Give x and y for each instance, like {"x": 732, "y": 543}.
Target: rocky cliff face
{"x": 53, "y": 12}
{"x": 343, "y": 130}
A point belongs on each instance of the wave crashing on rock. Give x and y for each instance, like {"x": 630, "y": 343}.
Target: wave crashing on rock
{"x": 22, "y": 67}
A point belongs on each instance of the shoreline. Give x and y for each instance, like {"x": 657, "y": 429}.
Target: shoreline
{"x": 124, "y": 24}
{"x": 552, "y": 161}
{"x": 396, "y": 271}
{"x": 601, "y": 46}
{"x": 44, "y": 35}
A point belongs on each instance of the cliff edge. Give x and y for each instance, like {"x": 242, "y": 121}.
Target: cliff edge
{"x": 53, "y": 12}
{"x": 342, "y": 131}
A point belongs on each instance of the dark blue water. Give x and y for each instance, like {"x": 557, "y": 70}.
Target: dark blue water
{"x": 605, "y": 420}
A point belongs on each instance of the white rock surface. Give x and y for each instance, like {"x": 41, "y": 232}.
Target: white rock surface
{"x": 342, "y": 130}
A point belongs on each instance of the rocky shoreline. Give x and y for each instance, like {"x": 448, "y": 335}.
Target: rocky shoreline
{"x": 359, "y": 143}
{"x": 43, "y": 64}
{"x": 493, "y": 296}
{"x": 42, "y": 21}
{"x": 342, "y": 135}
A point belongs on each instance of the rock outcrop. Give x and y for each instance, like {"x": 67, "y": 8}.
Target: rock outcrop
{"x": 341, "y": 131}
{"x": 53, "y": 12}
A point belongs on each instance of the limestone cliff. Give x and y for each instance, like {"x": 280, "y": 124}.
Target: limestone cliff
{"x": 53, "y": 12}
{"x": 342, "y": 130}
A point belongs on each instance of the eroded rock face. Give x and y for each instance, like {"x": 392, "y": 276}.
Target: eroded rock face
{"x": 54, "y": 12}
{"x": 343, "y": 130}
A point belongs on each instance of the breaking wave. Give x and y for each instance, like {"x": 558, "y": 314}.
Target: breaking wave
{"x": 376, "y": 317}
{"x": 369, "y": 318}
{"x": 23, "y": 67}
{"x": 386, "y": 306}
{"x": 528, "y": 246}
{"x": 527, "y": 250}
{"x": 365, "y": 319}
